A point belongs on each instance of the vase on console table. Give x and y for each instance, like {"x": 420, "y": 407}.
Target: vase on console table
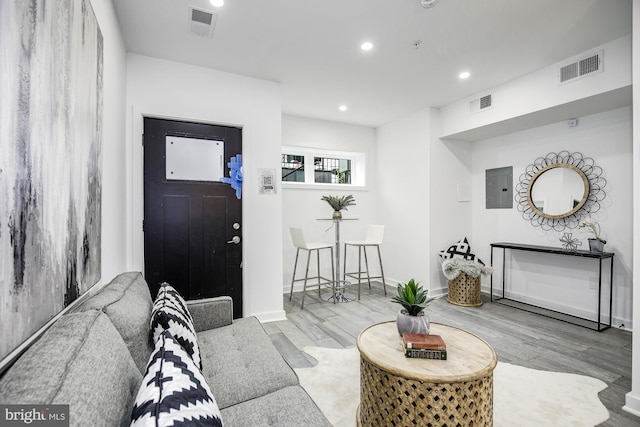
{"x": 596, "y": 243}
{"x": 596, "y": 246}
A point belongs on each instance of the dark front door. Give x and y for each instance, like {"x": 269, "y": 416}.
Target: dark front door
{"x": 192, "y": 223}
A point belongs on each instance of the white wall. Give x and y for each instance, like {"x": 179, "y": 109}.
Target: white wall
{"x": 402, "y": 196}
{"x": 449, "y": 200}
{"x": 632, "y": 403}
{"x": 604, "y": 136}
{"x": 302, "y": 207}
{"x": 561, "y": 282}
{"x": 413, "y": 180}
{"x": 168, "y": 89}
{"x": 113, "y": 146}
{"x": 540, "y": 91}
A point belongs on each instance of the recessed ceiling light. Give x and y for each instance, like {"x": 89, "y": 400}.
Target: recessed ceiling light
{"x": 217, "y": 3}
{"x": 342, "y": 108}
{"x": 464, "y": 75}
{"x": 366, "y": 46}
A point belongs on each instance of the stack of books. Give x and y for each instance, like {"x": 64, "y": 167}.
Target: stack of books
{"x": 424, "y": 346}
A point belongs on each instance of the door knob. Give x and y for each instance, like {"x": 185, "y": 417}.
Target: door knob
{"x": 235, "y": 240}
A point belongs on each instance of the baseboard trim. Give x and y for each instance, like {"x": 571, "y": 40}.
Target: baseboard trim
{"x": 616, "y": 322}
{"x": 438, "y": 292}
{"x": 274, "y": 316}
{"x": 632, "y": 404}
{"x": 314, "y": 288}
{"x": 433, "y": 292}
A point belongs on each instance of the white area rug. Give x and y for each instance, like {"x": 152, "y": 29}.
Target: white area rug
{"x": 522, "y": 396}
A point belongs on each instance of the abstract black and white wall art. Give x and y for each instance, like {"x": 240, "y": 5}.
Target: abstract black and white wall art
{"x": 50, "y": 161}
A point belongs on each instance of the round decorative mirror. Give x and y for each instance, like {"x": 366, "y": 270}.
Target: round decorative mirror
{"x": 558, "y": 189}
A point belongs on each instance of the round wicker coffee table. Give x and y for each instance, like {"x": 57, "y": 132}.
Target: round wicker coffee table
{"x": 400, "y": 391}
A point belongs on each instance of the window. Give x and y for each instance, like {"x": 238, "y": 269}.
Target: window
{"x": 322, "y": 167}
{"x": 292, "y": 168}
{"x": 333, "y": 171}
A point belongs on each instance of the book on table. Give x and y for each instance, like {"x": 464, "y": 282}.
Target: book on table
{"x": 424, "y": 346}
{"x": 416, "y": 353}
{"x": 423, "y": 341}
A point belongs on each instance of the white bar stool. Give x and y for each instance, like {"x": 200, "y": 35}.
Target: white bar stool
{"x": 375, "y": 234}
{"x": 297, "y": 236}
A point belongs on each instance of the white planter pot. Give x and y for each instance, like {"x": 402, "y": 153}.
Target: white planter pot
{"x": 412, "y": 324}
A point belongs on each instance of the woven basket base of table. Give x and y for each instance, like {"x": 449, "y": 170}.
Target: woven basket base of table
{"x": 465, "y": 290}
{"x": 389, "y": 400}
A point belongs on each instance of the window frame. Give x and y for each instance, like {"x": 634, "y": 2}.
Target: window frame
{"x": 358, "y": 167}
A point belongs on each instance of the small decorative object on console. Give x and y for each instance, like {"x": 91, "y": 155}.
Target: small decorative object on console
{"x": 570, "y": 243}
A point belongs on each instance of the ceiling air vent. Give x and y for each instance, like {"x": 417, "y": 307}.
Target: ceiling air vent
{"x": 480, "y": 104}
{"x": 201, "y": 21}
{"x": 581, "y": 68}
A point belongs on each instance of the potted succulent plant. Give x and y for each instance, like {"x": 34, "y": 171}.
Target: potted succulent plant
{"x": 338, "y": 203}
{"x": 412, "y": 318}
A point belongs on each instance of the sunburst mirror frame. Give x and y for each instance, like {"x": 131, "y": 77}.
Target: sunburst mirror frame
{"x": 594, "y": 193}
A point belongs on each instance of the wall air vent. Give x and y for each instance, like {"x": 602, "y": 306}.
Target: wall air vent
{"x": 583, "y": 67}
{"x": 201, "y": 22}
{"x": 480, "y": 104}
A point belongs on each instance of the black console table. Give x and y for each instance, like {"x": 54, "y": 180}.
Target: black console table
{"x": 599, "y": 325}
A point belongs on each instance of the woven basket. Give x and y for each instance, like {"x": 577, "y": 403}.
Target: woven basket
{"x": 465, "y": 290}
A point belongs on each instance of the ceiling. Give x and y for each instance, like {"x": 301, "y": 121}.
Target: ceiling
{"x": 313, "y": 47}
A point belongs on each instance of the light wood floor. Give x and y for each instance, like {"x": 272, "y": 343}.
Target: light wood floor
{"x": 518, "y": 337}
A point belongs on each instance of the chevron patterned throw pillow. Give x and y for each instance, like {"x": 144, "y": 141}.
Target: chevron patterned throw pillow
{"x": 461, "y": 250}
{"x": 173, "y": 391}
{"x": 170, "y": 313}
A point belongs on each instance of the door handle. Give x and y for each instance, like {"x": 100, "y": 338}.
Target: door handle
{"x": 234, "y": 240}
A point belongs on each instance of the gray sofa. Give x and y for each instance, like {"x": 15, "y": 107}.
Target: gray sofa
{"x": 94, "y": 359}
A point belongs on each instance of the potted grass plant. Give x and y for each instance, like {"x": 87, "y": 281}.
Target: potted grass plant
{"x": 338, "y": 203}
{"x": 412, "y": 317}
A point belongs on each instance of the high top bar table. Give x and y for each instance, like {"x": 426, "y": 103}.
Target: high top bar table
{"x": 341, "y": 284}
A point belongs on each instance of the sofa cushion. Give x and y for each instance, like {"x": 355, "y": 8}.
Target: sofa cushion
{"x": 288, "y": 407}
{"x": 173, "y": 391}
{"x": 210, "y": 313}
{"x": 81, "y": 361}
{"x": 170, "y": 313}
{"x": 241, "y": 363}
{"x": 127, "y": 301}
